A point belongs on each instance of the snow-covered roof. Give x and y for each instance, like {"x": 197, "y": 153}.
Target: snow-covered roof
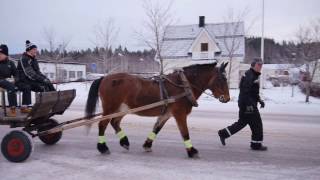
{"x": 178, "y": 39}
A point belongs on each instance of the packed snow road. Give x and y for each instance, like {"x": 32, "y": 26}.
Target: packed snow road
{"x": 293, "y": 141}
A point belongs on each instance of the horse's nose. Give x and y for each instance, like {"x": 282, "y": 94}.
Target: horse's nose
{"x": 227, "y": 99}
{"x": 223, "y": 99}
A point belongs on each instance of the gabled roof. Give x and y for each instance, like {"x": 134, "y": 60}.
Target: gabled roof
{"x": 179, "y": 39}
{"x": 211, "y": 38}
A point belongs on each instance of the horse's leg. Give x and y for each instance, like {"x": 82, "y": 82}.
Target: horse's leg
{"x": 181, "y": 119}
{"x": 102, "y": 144}
{"x": 156, "y": 129}
{"x": 115, "y": 123}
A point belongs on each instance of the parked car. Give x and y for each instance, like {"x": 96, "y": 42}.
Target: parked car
{"x": 93, "y": 76}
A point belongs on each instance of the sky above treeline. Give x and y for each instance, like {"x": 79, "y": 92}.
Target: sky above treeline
{"x": 75, "y": 19}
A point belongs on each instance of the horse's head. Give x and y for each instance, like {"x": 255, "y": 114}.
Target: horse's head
{"x": 218, "y": 84}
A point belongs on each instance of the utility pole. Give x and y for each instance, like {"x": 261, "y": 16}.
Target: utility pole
{"x": 262, "y": 48}
{"x": 262, "y": 32}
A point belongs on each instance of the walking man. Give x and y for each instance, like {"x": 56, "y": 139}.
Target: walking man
{"x": 248, "y": 110}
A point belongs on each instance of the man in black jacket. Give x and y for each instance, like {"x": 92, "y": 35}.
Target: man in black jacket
{"x": 8, "y": 70}
{"x": 248, "y": 110}
{"x": 29, "y": 72}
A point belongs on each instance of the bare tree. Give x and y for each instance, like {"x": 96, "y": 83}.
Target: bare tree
{"x": 105, "y": 35}
{"x": 307, "y": 51}
{"x": 232, "y": 32}
{"x": 159, "y": 17}
{"x": 49, "y": 35}
{"x": 56, "y": 48}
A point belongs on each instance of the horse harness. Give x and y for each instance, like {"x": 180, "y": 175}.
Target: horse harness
{"x": 185, "y": 84}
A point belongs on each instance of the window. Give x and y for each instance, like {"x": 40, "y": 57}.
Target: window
{"x": 204, "y": 47}
{"x": 51, "y": 75}
{"x": 79, "y": 74}
{"x": 72, "y": 74}
{"x": 64, "y": 72}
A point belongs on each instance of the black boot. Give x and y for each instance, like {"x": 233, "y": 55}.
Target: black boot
{"x": 258, "y": 147}
{"x": 223, "y": 134}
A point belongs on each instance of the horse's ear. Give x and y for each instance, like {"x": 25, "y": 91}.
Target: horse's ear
{"x": 225, "y": 65}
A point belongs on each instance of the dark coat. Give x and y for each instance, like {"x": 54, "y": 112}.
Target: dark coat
{"x": 28, "y": 69}
{"x": 249, "y": 89}
{"x": 7, "y": 69}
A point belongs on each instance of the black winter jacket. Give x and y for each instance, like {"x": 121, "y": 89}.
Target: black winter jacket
{"x": 7, "y": 69}
{"x": 28, "y": 69}
{"x": 249, "y": 89}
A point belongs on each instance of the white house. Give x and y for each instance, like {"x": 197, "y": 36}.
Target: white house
{"x": 184, "y": 45}
{"x": 66, "y": 71}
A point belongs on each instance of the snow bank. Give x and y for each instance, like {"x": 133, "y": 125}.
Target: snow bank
{"x": 278, "y": 100}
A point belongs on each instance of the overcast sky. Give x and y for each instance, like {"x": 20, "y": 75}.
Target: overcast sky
{"x": 75, "y": 19}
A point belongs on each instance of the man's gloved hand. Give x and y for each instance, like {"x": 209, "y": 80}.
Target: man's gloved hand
{"x": 47, "y": 81}
{"x": 262, "y": 104}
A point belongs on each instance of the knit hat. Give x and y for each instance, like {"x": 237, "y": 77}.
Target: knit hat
{"x": 256, "y": 61}
{"x": 4, "y": 49}
{"x": 30, "y": 45}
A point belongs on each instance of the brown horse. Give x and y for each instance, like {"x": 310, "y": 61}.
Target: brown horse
{"x": 121, "y": 91}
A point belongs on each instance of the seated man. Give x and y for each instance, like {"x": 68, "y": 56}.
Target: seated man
{"x": 29, "y": 72}
{"x": 8, "y": 70}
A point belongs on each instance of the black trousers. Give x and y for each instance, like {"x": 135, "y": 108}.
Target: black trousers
{"x": 253, "y": 119}
{"x": 11, "y": 90}
{"x": 36, "y": 86}
{"x": 26, "y": 93}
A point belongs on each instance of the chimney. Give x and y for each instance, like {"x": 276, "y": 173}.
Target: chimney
{"x": 201, "y": 21}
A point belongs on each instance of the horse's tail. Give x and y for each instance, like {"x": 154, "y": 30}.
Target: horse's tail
{"x": 93, "y": 98}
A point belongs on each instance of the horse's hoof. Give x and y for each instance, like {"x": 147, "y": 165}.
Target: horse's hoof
{"x": 146, "y": 149}
{"x": 147, "y": 146}
{"x": 103, "y": 148}
{"x": 193, "y": 153}
{"x": 124, "y": 142}
{"x": 126, "y": 147}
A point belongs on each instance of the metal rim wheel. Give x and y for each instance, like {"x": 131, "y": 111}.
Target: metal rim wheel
{"x": 53, "y": 138}
{"x": 16, "y": 146}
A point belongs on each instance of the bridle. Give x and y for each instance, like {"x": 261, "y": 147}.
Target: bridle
{"x": 201, "y": 90}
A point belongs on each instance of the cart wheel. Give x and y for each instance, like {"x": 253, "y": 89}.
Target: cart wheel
{"x": 16, "y": 146}
{"x": 53, "y": 138}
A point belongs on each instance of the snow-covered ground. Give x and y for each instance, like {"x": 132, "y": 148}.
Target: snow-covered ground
{"x": 291, "y": 131}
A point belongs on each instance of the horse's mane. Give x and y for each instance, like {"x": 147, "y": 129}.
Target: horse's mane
{"x": 191, "y": 69}
{"x": 196, "y": 68}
